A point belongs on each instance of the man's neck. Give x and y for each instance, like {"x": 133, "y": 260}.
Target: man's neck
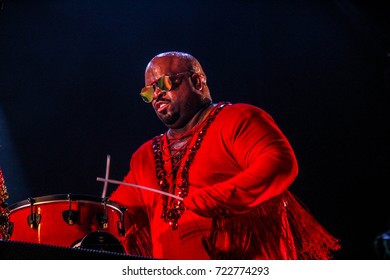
{"x": 195, "y": 120}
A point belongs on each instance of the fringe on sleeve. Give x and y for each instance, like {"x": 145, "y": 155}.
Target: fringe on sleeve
{"x": 281, "y": 228}
{"x": 137, "y": 240}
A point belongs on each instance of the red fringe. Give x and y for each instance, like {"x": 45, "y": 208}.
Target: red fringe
{"x": 137, "y": 242}
{"x": 278, "y": 229}
{"x": 281, "y": 228}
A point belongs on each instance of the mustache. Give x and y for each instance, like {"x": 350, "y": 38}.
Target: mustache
{"x": 161, "y": 97}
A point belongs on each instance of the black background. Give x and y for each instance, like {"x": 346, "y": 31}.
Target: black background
{"x": 71, "y": 72}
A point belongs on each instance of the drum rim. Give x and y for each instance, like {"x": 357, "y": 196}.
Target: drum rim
{"x": 64, "y": 198}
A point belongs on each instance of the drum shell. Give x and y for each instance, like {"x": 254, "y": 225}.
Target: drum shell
{"x": 53, "y": 229}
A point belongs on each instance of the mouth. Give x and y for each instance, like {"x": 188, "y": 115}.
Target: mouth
{"x": 161, "y": 106}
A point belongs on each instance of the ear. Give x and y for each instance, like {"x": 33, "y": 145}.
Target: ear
{"x": 197, "y": 81}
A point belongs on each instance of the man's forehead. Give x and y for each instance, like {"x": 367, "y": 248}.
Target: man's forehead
{"x": 162, "y": 66}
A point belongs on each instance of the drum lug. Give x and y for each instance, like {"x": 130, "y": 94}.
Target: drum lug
{"x": 103, "y": 218}
{"x": 33, "y": 219}
{"x": 70, "y": 216}
{"x": 121, "y": 223}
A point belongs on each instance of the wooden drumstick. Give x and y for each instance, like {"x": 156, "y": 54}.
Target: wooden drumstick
{"x": 137, "y": 186}
{"x": 107, "y": 175}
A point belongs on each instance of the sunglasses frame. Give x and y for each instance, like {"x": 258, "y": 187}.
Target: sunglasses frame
{"x": 164, "y": 83}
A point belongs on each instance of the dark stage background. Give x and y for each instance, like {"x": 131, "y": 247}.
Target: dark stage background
{"x": 71, "y": 72}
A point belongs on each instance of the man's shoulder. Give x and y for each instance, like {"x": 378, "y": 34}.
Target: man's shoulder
{"x": 242, "y": 109}
{"x": 145, "y": 148}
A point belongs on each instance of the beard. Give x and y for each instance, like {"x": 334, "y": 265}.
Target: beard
{"x": 174, "y": 119}
{"x": 169, "y": 119}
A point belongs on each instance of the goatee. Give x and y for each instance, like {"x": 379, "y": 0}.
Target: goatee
{"x": 170, "y": 118}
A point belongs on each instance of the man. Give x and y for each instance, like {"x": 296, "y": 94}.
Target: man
{"x": 225, "y": 169}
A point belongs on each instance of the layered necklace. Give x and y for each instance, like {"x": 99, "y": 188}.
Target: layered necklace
{"x": 180, "y": 153}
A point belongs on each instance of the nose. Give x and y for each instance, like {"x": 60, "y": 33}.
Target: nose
{"x": 158, "y": 93}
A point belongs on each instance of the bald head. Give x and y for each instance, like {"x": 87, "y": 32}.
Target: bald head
{"x": 169, "y": 63}
{"x": 174, "y": 62}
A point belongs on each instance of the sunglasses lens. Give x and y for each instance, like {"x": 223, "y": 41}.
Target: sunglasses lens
{"x": 147, "y": 94}
{"x": 164, "y": 83}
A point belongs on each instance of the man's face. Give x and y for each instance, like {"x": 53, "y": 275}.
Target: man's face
{"x": 177, "y": 106}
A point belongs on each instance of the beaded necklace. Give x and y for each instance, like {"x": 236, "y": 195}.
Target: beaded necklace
{"x": 173, "y": 208}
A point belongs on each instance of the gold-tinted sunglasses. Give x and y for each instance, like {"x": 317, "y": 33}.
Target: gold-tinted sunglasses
{"x": 164, "y": 83}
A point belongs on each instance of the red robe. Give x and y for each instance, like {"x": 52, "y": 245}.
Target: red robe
{"x": 238, "y": 205}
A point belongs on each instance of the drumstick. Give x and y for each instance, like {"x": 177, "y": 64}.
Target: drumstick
{"x": 138, "y": 186}
{"x": 107, "y": 175}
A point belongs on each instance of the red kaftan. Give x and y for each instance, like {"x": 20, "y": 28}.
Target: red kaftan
{"x": 238, "y": 205}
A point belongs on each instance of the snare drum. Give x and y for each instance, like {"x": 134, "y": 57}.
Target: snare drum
{"x": 65, "y": 219}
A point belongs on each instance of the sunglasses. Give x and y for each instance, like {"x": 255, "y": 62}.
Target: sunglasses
{"x": 164, "y": 83}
